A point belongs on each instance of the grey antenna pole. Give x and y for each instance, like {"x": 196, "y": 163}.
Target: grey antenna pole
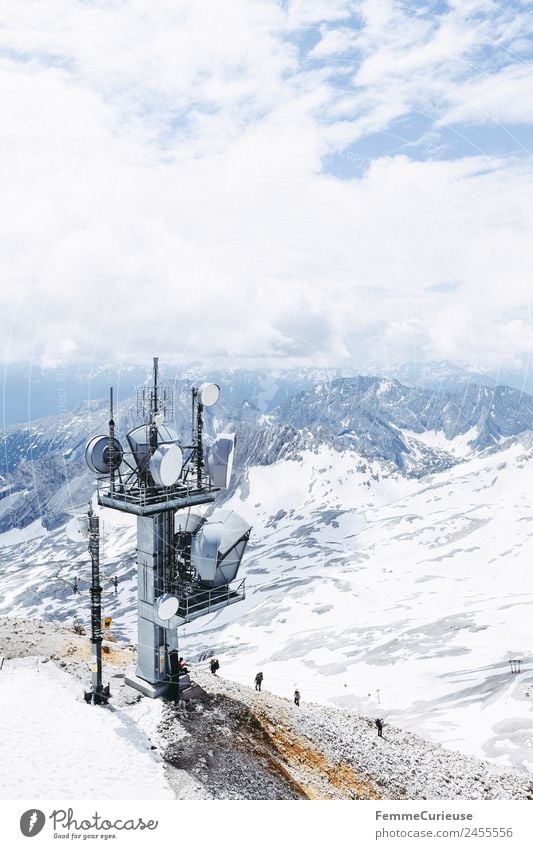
{"x": 98, "y": 694}
{"x": 199, "y": 448}
{"x": 154, "y": 409}
{"x": 156, "y": 370}
{"x": 111, "y": 447}
{"x": 194, "y": 393}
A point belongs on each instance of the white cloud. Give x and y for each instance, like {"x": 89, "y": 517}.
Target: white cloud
{"x": 334, "y": 42}
{"x": 164, "y": 194}
{"x": 505, "y": 98}
{"x": 463, "y": 64}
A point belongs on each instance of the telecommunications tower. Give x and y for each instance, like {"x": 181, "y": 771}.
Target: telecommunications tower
{"x": 187, "y": 563}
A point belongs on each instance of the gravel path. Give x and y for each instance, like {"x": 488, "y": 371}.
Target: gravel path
{"x": 350, "y": 754}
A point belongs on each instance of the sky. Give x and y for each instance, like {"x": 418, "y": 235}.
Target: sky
{"x": 322, "y": 182}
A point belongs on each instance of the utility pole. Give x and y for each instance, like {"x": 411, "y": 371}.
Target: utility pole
{"x": 98, "y": 694}
{"x": 111, "y": 444}
{"x": 197, "y": 434}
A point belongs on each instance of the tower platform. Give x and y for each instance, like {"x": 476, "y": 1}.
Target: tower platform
{"x": 208, "y": 601}
{"x": 140, "y": 502}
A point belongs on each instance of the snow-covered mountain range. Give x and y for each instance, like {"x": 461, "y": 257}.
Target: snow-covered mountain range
{"x": 412, "y": 430}
{"x": 388, "y": 570}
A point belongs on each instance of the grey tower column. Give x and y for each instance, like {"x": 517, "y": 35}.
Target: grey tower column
{"x": 155, "y": 539}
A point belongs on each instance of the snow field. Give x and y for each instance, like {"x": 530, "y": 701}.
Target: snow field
{"x": 103, "y": 753}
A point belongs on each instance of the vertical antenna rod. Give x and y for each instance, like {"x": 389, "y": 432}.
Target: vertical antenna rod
{"x": 193, "y": 414}
{"x": 154, "y": 410}
{"x": 156, "y": 369}
{"x": 98, "y": 694}
{"x": 111, "y": 447}
{"x": 199, "y": 447}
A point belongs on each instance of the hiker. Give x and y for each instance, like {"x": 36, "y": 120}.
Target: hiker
{"x": 182, "y": 667}
{"x": 297, "y": 698}
{"x": 379, "y": 726}
{"x": 258, "y": 681}
{"x": 214, "y": 665}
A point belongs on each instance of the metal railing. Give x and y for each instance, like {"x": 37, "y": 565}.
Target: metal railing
{"x": 145, "y": 497}
{"x": 204, "y": 601}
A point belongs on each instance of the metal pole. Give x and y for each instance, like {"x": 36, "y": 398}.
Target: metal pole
{"x": 156, "y": 369}
{"x": 199, "y": 449}
{"x": 153, "y": 412}
{"x": 193, "y": 415}
{"x": 111, "y": 448}
{"x": 98, "y": 693}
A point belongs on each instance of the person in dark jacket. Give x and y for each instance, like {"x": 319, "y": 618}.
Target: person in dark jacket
{"x": 379, "y": 726}
{"x": 258, "y": 681}
{"x": 297, "y": 698}
{"x": 214, "y": 665}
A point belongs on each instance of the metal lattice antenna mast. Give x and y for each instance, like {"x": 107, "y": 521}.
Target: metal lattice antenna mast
{"x": 199, "y": 448}
{"x": 155, "y": 399}
{"x": 154, "y": 408}
{"x": 98, "y": 693}
{"x": 155, "y": 405}
{"x": 111, "y": 447}
{"x": 194, "y": 393}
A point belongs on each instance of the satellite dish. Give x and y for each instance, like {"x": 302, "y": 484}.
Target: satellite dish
{"x": 159, "y": 418}
{"x": 97, "y": 455}
{"x": 219, "y": 459}
{"x": 218, "y": 546}
{"x": 186, "y": 522}
{"x": 208, "y": 394}
{"x": 139, "y": 442}
{"x": 77, "y": 529}
{"x": 166, "y": 464}
{"x": 167, "y": 606}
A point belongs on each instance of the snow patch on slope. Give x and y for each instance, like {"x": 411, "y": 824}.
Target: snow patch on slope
{"x": 34, "y": 530}
{"x": 57, "y": 746}
{"x": 460, "y": 447}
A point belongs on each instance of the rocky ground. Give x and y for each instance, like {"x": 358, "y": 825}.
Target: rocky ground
{"x": 226, "y": 741}
{"x": 326, "y": 753}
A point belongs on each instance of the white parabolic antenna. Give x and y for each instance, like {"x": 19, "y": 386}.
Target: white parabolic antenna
{"x": 77, "y": 529}
{"x": 166, "y": 464}
{"x": 167, "y": 606}
{"x": 97, "y": 454}
{"x": 208, "y": 394}
{"x": 219, "y": 459}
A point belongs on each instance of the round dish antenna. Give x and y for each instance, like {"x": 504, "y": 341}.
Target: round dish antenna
{"x": 167, "y": 606}
{"x": 219, "y": 459}
{"x": 166, "y": 464}
{"x": 208, "y": 394}
{"x": 77, "y": 529}
{"x": 98, "y": 454}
